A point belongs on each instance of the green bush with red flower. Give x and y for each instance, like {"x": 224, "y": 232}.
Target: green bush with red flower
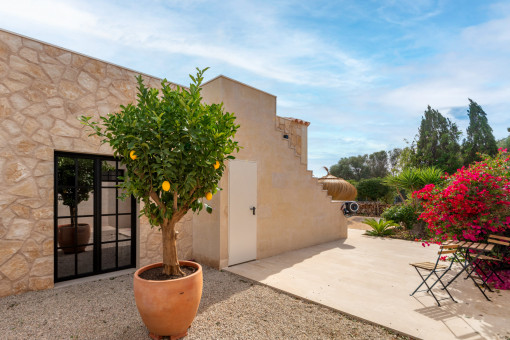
{"x": 472, "y": 203}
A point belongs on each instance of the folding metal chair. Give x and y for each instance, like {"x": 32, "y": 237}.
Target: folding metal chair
{"x": 427, "y": 269}
{"x": 483, "y": 263}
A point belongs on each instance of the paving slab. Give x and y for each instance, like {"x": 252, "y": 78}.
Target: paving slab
{"x": 370, "y": 278}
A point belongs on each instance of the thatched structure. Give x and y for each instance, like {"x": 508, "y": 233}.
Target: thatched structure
{"x": 338, "y": 188}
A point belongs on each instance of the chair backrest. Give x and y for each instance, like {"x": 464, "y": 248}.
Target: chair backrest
{"x": 447, "y": 249}
{"x": 497, "y": 239}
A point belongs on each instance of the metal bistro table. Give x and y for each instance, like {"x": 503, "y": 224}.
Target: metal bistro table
{"x": 470, "y": 260}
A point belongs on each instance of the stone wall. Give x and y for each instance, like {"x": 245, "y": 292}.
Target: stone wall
{"x": 43, "y": 90}
{"x": 296, "y": 132}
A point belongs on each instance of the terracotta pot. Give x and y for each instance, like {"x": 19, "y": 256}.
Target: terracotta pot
{"x": 168, "y": 307}
{"x": 66, "y": 234}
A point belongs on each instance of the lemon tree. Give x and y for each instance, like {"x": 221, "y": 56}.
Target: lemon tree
{"x": 174, "y": 147}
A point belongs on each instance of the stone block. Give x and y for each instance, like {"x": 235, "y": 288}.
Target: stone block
{"x": 15, "y": 268}
{"x": 26, "y": 188}
{"x": 44, "y": 227}
{"x": 70, "y": 90}
{"x": 30, "y": 126}
{"x": 42, "y": 137}
{"x": 21, "y": 210}
{"x": 95, "y": 68}
{"x": 44, "y": 153}
{"x": 87, "y": 101}
{"x": 70, "y": 73}
{"x": 5, "y": 51}
{"x": 32, "y": 203}
{"x": 19, "y": 102}
{"x": 5, "y": 287}
{"x": 18, "y": 76}
{"x": 4, "y": 70}
{"x": 31, "y": 250}
{"x": 19, "y": 229}
{"x": 20, "y": 286}
{"x": 61, "y": 128}
{"x": 15, "y": 172}
{"x": 42, "y": 266}
{"x": 87, "y": 82}
{"x": 55, "y": 71}
{"x": 44, "y": 182}
{"x": 58, "y": 112}
{"x": 11, "y": 127}
{"x": 47, "y": 247}
{"x": 32, "y": 44}
{"x": 40, "y": 283}
{"x": 54, "y": 102}
{"x": 47, "y": 88}
{"x": 8, "y": 249}
{"x": 65, "y": 58}
{"x": 6, "y": 217}
{"x": 43, "y": 169}
{"x": 14, "y": 85}
{"x": 35, "y": 110}
{"x": 28, "y": 68}
{"x": 24, "y": 146}
{"x": 5, "y": 108}
{"x": 12, "y": 41}
{"x": 3, "y": 90}
{"x": 52, "y": 51}
{"x": 28, "y": 54}
{"x": 34, "y": 96}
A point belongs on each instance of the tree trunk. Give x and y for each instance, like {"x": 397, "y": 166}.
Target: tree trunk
{"x": 170, "y": 260}
{"x": 74, "y": 215}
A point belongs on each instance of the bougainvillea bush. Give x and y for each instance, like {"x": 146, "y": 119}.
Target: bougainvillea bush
{"x": 473, "y": 203}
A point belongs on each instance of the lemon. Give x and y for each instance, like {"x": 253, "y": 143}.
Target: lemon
{"x": 166, "y": 185}
{"x": 216, "y": 165}
{"x": 132, "y": 155}
{"x": 208, "y": 196}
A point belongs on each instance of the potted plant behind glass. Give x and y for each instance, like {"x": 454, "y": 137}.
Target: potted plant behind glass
{"x": 72, "y": 191}
{"x": 174, "y": 147}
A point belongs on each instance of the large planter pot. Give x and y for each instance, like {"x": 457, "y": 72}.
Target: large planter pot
{"x": 168, "y": 307}
{"x": 66, "y": 237}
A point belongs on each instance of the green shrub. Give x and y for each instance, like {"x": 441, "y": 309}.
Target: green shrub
{"x": 405, "y": 213}
{"x": 372, "y": 189}
{"x": 380, "y": 228}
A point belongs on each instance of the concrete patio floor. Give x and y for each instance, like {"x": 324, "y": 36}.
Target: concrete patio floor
{"x": 370, "y": 278}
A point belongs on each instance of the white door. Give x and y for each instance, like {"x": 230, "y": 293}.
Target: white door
{"x": 242, "y": 211}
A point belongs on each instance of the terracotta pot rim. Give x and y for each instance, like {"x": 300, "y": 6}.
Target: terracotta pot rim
{"x": 160, "y": 264}
{"x": 70, "y": 225}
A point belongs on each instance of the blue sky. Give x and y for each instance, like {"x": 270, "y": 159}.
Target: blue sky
{"x": 362, "y": 72}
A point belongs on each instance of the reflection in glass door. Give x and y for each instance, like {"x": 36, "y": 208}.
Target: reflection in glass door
{"x": 94, "y": 229}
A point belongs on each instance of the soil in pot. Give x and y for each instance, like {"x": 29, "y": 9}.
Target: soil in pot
{"x": 157, "y": 274}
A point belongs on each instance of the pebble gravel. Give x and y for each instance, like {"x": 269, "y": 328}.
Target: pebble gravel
{"x": 232, "y": 307}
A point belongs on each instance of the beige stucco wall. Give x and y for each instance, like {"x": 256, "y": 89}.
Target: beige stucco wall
{"x": 293, "y": 210}
{"x": 43, "y": 89}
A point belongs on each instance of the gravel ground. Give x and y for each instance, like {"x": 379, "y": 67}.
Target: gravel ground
{"x": 231, "y": 308}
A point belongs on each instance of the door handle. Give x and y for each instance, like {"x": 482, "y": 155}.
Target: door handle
{"x": 253, "y": 209}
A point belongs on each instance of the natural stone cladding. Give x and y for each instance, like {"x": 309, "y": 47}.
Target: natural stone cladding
{"x": 43, "y": 91}
{"x": 296, "y": 131}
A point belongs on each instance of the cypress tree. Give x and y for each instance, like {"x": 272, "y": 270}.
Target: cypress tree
{"x": 437, "y": 143}
{"x": 479, "y": 135}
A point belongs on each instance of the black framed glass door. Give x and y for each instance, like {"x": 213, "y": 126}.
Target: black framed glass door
{"x": 95, "y": 231}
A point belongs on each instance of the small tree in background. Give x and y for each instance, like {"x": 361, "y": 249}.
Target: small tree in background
{"x": 437, "y": 143}
{"x": 479, "y": 137}
{"x": 373, "y": 189}
{"x": 174, "y": 147}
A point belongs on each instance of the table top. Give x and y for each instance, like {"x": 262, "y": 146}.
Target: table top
{"x": 471, "y": 245}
